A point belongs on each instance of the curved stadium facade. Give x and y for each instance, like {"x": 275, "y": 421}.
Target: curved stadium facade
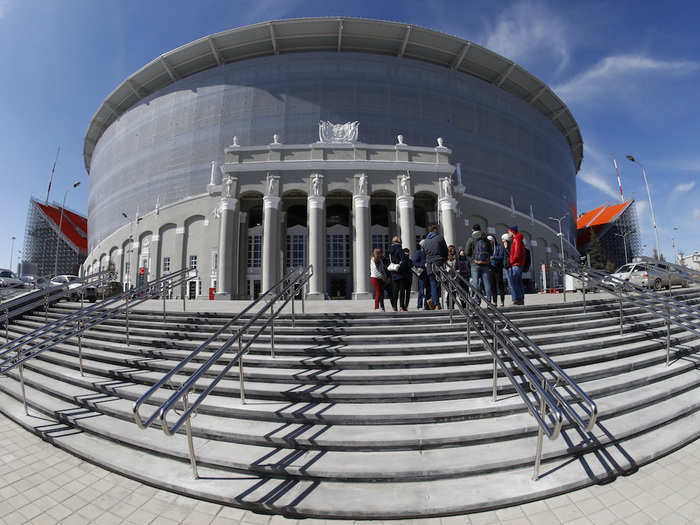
{"x": 514, "y": 151}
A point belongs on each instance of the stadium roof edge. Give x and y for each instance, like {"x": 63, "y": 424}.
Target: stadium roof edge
{"x": 333, "y": 34}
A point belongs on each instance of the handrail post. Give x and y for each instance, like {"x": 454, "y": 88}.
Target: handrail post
{"x": 303, "y": 298}
{"x": 469, "y": 331}
{"x": 126, "y": 313}
{"x": 46, "y": 308}
{"x": 294, "y": 293}
{"x": 184, "y": 289}
{"x": 164, "y": 289}
{"x": 585, "y": 281}
{"x": 620, "y": 314}
{"x": 7, "y": 325}
{"x": 80, "y": 347}
{"x": 540, "y": 437}
{"x": 668, "y": 335}
{"x": 241, "y": 379}
{"x": 272, "y": 332}
{"x": 495, "y": 370}
{"x": 21, "y": 379}
{"x": 188, "y": 430}
{"x": 450, "y": 300}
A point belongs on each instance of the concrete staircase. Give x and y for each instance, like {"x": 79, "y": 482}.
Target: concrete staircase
{"x": 366, "y": 416}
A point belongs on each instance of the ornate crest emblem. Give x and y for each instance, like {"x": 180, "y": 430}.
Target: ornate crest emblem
{"x": 338, "y": 133}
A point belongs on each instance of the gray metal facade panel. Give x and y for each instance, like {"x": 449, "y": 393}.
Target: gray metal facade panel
{"x": 160, "y": 149}
{"x": 314, "y": 34}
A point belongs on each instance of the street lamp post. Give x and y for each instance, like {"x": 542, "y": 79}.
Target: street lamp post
{"x": 651, "y": 204}
{"x": 624, "y": 241}
{"x": 673, "y": 244}
{"x": 12, "y": 250}
{"x": 128, "y": 253}
{"x": 561, "y": 246}
{"x": 60, "y": 226}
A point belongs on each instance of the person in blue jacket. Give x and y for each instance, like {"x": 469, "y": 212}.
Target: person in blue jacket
{"x": 422, "y": 276}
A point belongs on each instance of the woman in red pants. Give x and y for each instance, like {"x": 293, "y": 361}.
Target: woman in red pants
{"x": 377, "y": 276}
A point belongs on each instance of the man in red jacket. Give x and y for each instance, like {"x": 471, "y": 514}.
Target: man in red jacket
{"x": 517, "y": 263}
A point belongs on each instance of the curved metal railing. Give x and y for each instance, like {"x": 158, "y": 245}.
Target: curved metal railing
{"x": 27, "y": 346}
{"x": 282, "y": 293}
{"x": 666, "y": 307}
{"x": 547, "y": 391}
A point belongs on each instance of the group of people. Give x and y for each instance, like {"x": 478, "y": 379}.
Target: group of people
{"x": 483, "y": 262}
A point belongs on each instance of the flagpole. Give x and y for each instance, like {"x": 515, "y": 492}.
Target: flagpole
{"x": 619, "y": 180}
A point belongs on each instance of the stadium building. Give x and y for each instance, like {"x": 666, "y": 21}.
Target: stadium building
{"x": 255, "y": 150}
{"x": 615, "y": 227}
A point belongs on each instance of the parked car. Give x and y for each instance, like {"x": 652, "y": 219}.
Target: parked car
{"x": 657, "y": 276}
{"x": 109, "y": 289}
{"x": 9, "y": 279}
{"x": 73, "y": 282}
{"x": 32, "y": 281}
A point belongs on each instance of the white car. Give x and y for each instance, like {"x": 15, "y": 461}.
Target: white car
{"x": 9, "y": 279}
{"x": 73, "y": 282}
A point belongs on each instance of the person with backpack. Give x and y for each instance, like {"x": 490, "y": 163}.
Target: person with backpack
{"x": 518, "y": 260}
{"x": 498, "y": 288}
{"x": 479, "y": 252}
{"x": 435, "y": 249}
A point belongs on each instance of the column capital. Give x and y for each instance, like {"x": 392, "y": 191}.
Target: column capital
{"x": 270, "y": 201}
{"x": 448, "y": 204}
{"x": 316, "y": 201}
{"x": 405, "y": 201}
{"x": 228, "y": 203}
{"x": 361, "y": 201}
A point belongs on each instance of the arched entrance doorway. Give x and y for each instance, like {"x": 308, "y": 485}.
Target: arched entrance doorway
{"x": 338, "y": 248}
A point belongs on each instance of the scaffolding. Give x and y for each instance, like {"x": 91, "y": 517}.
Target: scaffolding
{"x": 42, "y": 238}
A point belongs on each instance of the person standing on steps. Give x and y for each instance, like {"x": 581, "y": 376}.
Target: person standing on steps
{"x": 463, "y": 271}
{"x": 406, "y": 280}
{"x": 395, "y": 253}
{"x": 435, "y": 255}
{"x": 419, "y": 271}
{"x": 479, "y": 252}
{"x": 378, "y": 278}
{"x": 517, "y": 263}
{"x": 498, "y": 288}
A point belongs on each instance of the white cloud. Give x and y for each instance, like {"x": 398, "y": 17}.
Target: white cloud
{"x": 594, "y": 179}
{"x": 696, "y": 214}
{"x": 612, "y": 73}
{"x": 529, "y": 29}
{"x": 683, "y": 188}
{"x": 4, "y": 7}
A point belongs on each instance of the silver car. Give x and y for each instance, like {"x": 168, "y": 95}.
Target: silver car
{"x": 8, "y": 279}
{"x": 657, "y": 276}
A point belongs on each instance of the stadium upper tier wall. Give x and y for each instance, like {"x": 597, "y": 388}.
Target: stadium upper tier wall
{"x": 160, "y": 149}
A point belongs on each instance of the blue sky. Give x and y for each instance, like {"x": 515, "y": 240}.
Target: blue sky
{"x": 629, "y": 72}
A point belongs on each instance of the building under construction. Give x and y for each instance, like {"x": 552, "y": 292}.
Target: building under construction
{"x": 50, "y": 228}
{"x": 615, "y": 228}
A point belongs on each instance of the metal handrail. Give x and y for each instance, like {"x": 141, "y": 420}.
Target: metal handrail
{"x": 284, "y": 291}
{"x": 510, "y": 346}
{"x": 668, "y": 308}
{"x": 13, "y": 354}
{"x": 42, "y": 297}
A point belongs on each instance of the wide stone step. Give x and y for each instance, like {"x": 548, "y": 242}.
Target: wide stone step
{"x": 365, "y": 437}
{"x": 379, "y": 500}
{"x": 362, "y": 413}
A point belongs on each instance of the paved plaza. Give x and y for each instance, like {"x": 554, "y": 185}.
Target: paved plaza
{"x": 41, "y": 484}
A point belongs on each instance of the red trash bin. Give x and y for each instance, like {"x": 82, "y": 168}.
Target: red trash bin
{"x": 211, "y": 293}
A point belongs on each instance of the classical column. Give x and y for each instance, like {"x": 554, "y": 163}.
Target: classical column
{"x": 228, "y": 243}
{"x": 154, "y": 270}
{"x": 316, "y": 219}
{"x": 242, "y": 256}
{"x": 178, "y": 262}
{"x": 447, "y": 205}
{"x": 362, "y": 245}
{"x": 271, "y": 229}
